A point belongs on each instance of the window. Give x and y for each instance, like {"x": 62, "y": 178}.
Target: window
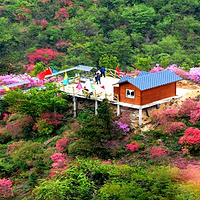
{"x": 130, "y": 93}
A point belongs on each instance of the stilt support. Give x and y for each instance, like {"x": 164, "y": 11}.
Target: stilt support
{"x": 118, "y": 110}
{"x": 96, "y": 106}
{"x": 140, "y": 116}
{"x": 75, "y": 107}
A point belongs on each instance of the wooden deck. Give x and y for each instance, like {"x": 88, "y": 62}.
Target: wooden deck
{"x": 98, "y": 94}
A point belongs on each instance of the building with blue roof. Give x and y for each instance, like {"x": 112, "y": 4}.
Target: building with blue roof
{"x": 147, "y": 87}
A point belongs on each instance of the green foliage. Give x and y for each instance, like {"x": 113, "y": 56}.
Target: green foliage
{"x": 38, "y": 67}
{"x": 36, "y": 101}
{"x": 74, "y": 185}
{"x": 30, "y": 154}
{"x": 43, "y": 127}
{"x": 108, "y": 61}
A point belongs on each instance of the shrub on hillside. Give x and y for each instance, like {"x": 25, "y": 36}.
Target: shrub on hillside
{"x": 187, "y": 107}
{"x": 6, "y": 189}
{"x": 29, "y": 155}
{"x": 191, "y": 138}
{"x": 165, "y": 116}
{"x": 174, "y": 127}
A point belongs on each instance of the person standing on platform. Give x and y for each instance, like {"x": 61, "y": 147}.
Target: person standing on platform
{"x": 98, "y": 77}
{"x": 103, "y": 70}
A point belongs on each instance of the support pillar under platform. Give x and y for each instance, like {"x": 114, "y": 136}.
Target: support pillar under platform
{"x": 140, "y": 116}
{"x": 118, "y": 110}
{"x": 96, "y": 107}
{"x": 75, "y": 107}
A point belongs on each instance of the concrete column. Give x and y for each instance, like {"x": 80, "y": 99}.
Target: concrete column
{"x": 96, "y": 106}
{"x": 140, "y": 116}
{"x": 118, "y": 110}
{"x": 75, "y": 107}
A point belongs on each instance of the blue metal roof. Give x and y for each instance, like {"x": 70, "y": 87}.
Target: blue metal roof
{"x": 143, "y": 73}
{"x": 152, "y": 80}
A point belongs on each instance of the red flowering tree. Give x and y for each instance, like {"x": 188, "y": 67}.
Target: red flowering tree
{"x": 43, "y": 55}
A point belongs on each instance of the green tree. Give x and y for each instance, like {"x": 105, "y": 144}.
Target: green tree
{"x": 108, "y": 61}
{"x": 36, "y": 101}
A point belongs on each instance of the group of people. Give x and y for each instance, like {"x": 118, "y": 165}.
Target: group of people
{"x": 98, "y": 74}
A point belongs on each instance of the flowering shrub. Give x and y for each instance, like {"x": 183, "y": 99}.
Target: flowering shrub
{"x": 53, "y": 118}
{"x": 178, "y": 71}
{"x": 165, "y": 116}
{"x": 157, "y": 152}
{"x": 59, "y": 164}
{"x": 19, "y": 127}
{"x": 195, "y": 114}
{"x": 6, "y": 188}
{"x": 173, "y": 127}
{"x": 191, "y": 137}
{"x": 185, "y": 151}
{"x": 187, "y": 107}
{"x": 61, "y": 144}
{"x": 43, "y": 55}
{"x": 133, "y": 146}
{"x": 157, "y": 69}
{"x": 61, "y": 14}
{"x": 57, "y": 157}
{"x": 42, "y": 23}
{"x": 106, "y": 162}
{"x": 121, "y": 127}
{"x": 194, "y": 74}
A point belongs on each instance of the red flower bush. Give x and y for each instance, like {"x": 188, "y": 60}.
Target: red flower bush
{"x": 157, "y": 152}
{"x": 66, "y": 2}
{"x": 195, "y": 114}
{"x": 42, "y": 23}
{"x": 58, "y": 157}
{"x": 61, "y": 144}
{"x": 173, "y": 127}
{"x": 59, "y": 164}
{"x": 165, "y": 116}
{"x": 133, "y": 146}
{"x": 19, "y": 127}
{"x": 43, "y": 55}
{"x": 187, "y": 107}
{"x": 6, "y": 188}
{"x": 191, "y": 137}
{"x": 61, "y": 14}
{"x": 53, "y": 118}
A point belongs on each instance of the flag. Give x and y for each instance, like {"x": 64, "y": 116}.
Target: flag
{"x": 31, "y": 80}
{"x": 54, "y": 71}
{"x": 91, "y": 86}
{"x": 6, "y": 88}
{"x": 65, "y": 76}
{"x": 46, "y": 72}
{"x": 79, "y": 86}
{"x": 66, "y": 81}
{"x": 117, "y": 70}
{"x": 103, "y": 87}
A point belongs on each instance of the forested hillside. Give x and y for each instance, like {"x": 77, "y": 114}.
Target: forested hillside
{"x": 139, "y": 33}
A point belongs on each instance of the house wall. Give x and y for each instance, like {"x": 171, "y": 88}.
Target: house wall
{"x": 158, "y": 93}
{"x": 122, "y": 94}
